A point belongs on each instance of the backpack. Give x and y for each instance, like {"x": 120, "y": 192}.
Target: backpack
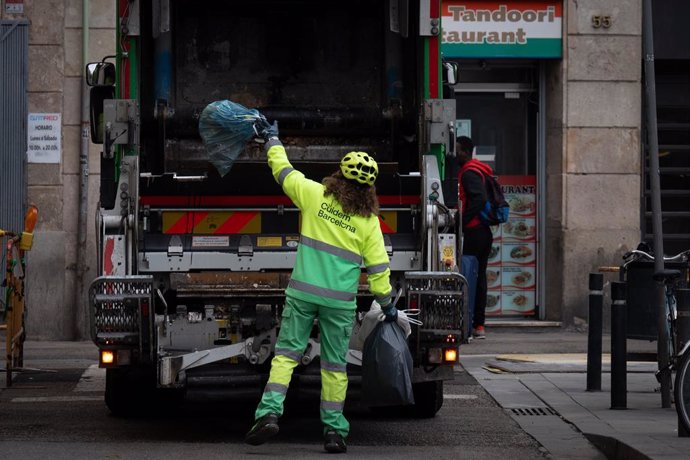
{"x": 496, "y": 208}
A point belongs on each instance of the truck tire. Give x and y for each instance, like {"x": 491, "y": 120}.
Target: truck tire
{"x": 133, "y": 392}
{"x": 428, "y": 399}
{"x": 123, "y": 392}
{"x": 168, "y": 400}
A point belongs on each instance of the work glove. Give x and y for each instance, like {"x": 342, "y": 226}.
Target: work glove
{"x": 390, "y": 312}
{"x": 265, "y": 131}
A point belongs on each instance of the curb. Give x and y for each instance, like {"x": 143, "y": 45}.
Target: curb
{"x": 615, "y": 449}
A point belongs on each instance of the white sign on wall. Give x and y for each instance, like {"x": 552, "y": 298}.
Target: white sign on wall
{"x": 14, "y": 6}
{"x": 463, "y": 128}
{"x": 44, "y": 138}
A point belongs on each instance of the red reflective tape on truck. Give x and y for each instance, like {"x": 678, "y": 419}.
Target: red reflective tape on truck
{"x": 222, "y": 200}
{"x": 183, "y": 222}
{"x": 434, "y": 50}
{"x": 252, "y": 200}
{"x": 108, "y": 250}
{"x": 388, "y": 221}
{"x": 239, "y": 223}
{"x": 211, "y": 223}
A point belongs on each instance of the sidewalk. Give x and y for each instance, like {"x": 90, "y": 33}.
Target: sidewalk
{"x": 539, "y": 377}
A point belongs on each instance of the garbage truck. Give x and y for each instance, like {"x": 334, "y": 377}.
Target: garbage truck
{"x": 192, "y": 265}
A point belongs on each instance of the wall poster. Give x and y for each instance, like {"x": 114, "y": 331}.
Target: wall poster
{"x": 512, "y": 270}
{"x": 44, "y": 138}
{"x": 14, "y": 6}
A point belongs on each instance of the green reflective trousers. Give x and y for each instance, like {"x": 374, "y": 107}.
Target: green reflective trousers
{"x": 335, "y": 325}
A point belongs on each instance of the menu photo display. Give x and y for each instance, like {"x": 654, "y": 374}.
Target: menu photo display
{"x": 512, "y": 269}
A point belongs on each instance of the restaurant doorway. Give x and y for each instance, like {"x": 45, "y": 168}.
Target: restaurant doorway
{"x": 498, "y": 107}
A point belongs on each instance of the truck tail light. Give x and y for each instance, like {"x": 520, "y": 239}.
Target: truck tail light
{"x": 108, "y": 358}
{"x": 450, "y": 355}
{"x": 112, "y": 358}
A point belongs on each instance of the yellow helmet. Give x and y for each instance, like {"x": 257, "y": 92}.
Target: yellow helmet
{"x": 359, "y": 166}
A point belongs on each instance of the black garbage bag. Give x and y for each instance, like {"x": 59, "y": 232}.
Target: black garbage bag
{"x": 225, "y": 128}
{"x": 386, "y": 367}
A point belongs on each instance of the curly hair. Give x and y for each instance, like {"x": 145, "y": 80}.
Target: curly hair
{"x": 355, "y": 198}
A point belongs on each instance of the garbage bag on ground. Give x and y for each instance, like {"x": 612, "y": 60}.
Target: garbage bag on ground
{"x": 386, "y": 367}
{"x": 226, "y": 127}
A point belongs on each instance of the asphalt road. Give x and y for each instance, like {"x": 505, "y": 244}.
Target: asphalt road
{"x": 61, "y": 415}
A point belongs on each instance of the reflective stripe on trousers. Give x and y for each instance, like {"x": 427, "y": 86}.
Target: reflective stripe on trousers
{"x": 333, "y": 392}
{"x": 336, "y": 327}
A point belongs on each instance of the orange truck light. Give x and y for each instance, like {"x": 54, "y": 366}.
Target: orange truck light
{"x": 450, "y": 355}
{"x": 107, "y": 357}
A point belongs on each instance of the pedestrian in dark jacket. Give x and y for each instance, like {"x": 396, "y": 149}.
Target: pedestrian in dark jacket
{"x": 477, "y": 237}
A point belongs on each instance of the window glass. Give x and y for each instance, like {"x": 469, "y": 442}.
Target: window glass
{"x": 502, "y": 128}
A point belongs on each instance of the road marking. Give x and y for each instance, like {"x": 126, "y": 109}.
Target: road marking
{"x": 452, "y": 396}
{"x": 93, "y": 379}
{"x": 56, "y": 399}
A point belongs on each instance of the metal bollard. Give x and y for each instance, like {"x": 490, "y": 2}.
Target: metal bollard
{"x": 596, "y": 304}
{"x": 619, "y": 365}
{"x": 682, "y": 334}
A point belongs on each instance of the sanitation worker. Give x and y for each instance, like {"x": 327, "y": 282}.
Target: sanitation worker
{"x": 339, "y": 232}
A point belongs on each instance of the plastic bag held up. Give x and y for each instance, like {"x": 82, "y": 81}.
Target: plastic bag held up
{"x": 375, "y": 315}
{"x": 226, "y": 127}
{"x": 386, "y": 367}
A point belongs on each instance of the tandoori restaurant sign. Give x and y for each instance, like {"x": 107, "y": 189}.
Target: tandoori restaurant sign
{"x": 508, "y": 29}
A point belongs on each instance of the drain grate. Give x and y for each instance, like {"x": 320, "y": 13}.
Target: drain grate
{"x": 539, "y": 411}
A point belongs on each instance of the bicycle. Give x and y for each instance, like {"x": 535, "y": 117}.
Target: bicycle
{"x": 13, "y": 313}
{"x": 679, "y": 361}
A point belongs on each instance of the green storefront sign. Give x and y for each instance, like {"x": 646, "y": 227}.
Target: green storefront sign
{"x": 486, "y": 29}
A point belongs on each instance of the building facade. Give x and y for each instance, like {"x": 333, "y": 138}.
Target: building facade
{"x": 565, "y": 128}
{"x": 55, "y": 69}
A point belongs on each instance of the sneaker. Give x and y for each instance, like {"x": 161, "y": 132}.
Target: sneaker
{"x": 264, "y": 429}
{"x": 334, "y": 443}
{"x": 478, "y": 332}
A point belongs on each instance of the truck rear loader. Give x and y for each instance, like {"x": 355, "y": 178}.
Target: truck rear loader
{"x": 193, "y": 265}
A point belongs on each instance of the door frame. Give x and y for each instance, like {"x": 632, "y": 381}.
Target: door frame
{"x": 540, "y": 144}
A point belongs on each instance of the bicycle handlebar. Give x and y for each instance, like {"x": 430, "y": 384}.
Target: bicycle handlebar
{"x": 640, "y": 253}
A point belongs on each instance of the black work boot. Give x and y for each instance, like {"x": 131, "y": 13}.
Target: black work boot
{"x": 264, "y": 429}
{"x": 334, "y": 443}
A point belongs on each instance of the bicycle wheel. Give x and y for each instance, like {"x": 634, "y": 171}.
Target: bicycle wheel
{"x": 682, "y": 391}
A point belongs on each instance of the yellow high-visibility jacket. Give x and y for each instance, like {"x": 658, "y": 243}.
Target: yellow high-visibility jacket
{"x": 333, "y": 245}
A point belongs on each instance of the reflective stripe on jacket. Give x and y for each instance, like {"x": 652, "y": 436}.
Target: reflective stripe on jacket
{"x": 333, "y": 245}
